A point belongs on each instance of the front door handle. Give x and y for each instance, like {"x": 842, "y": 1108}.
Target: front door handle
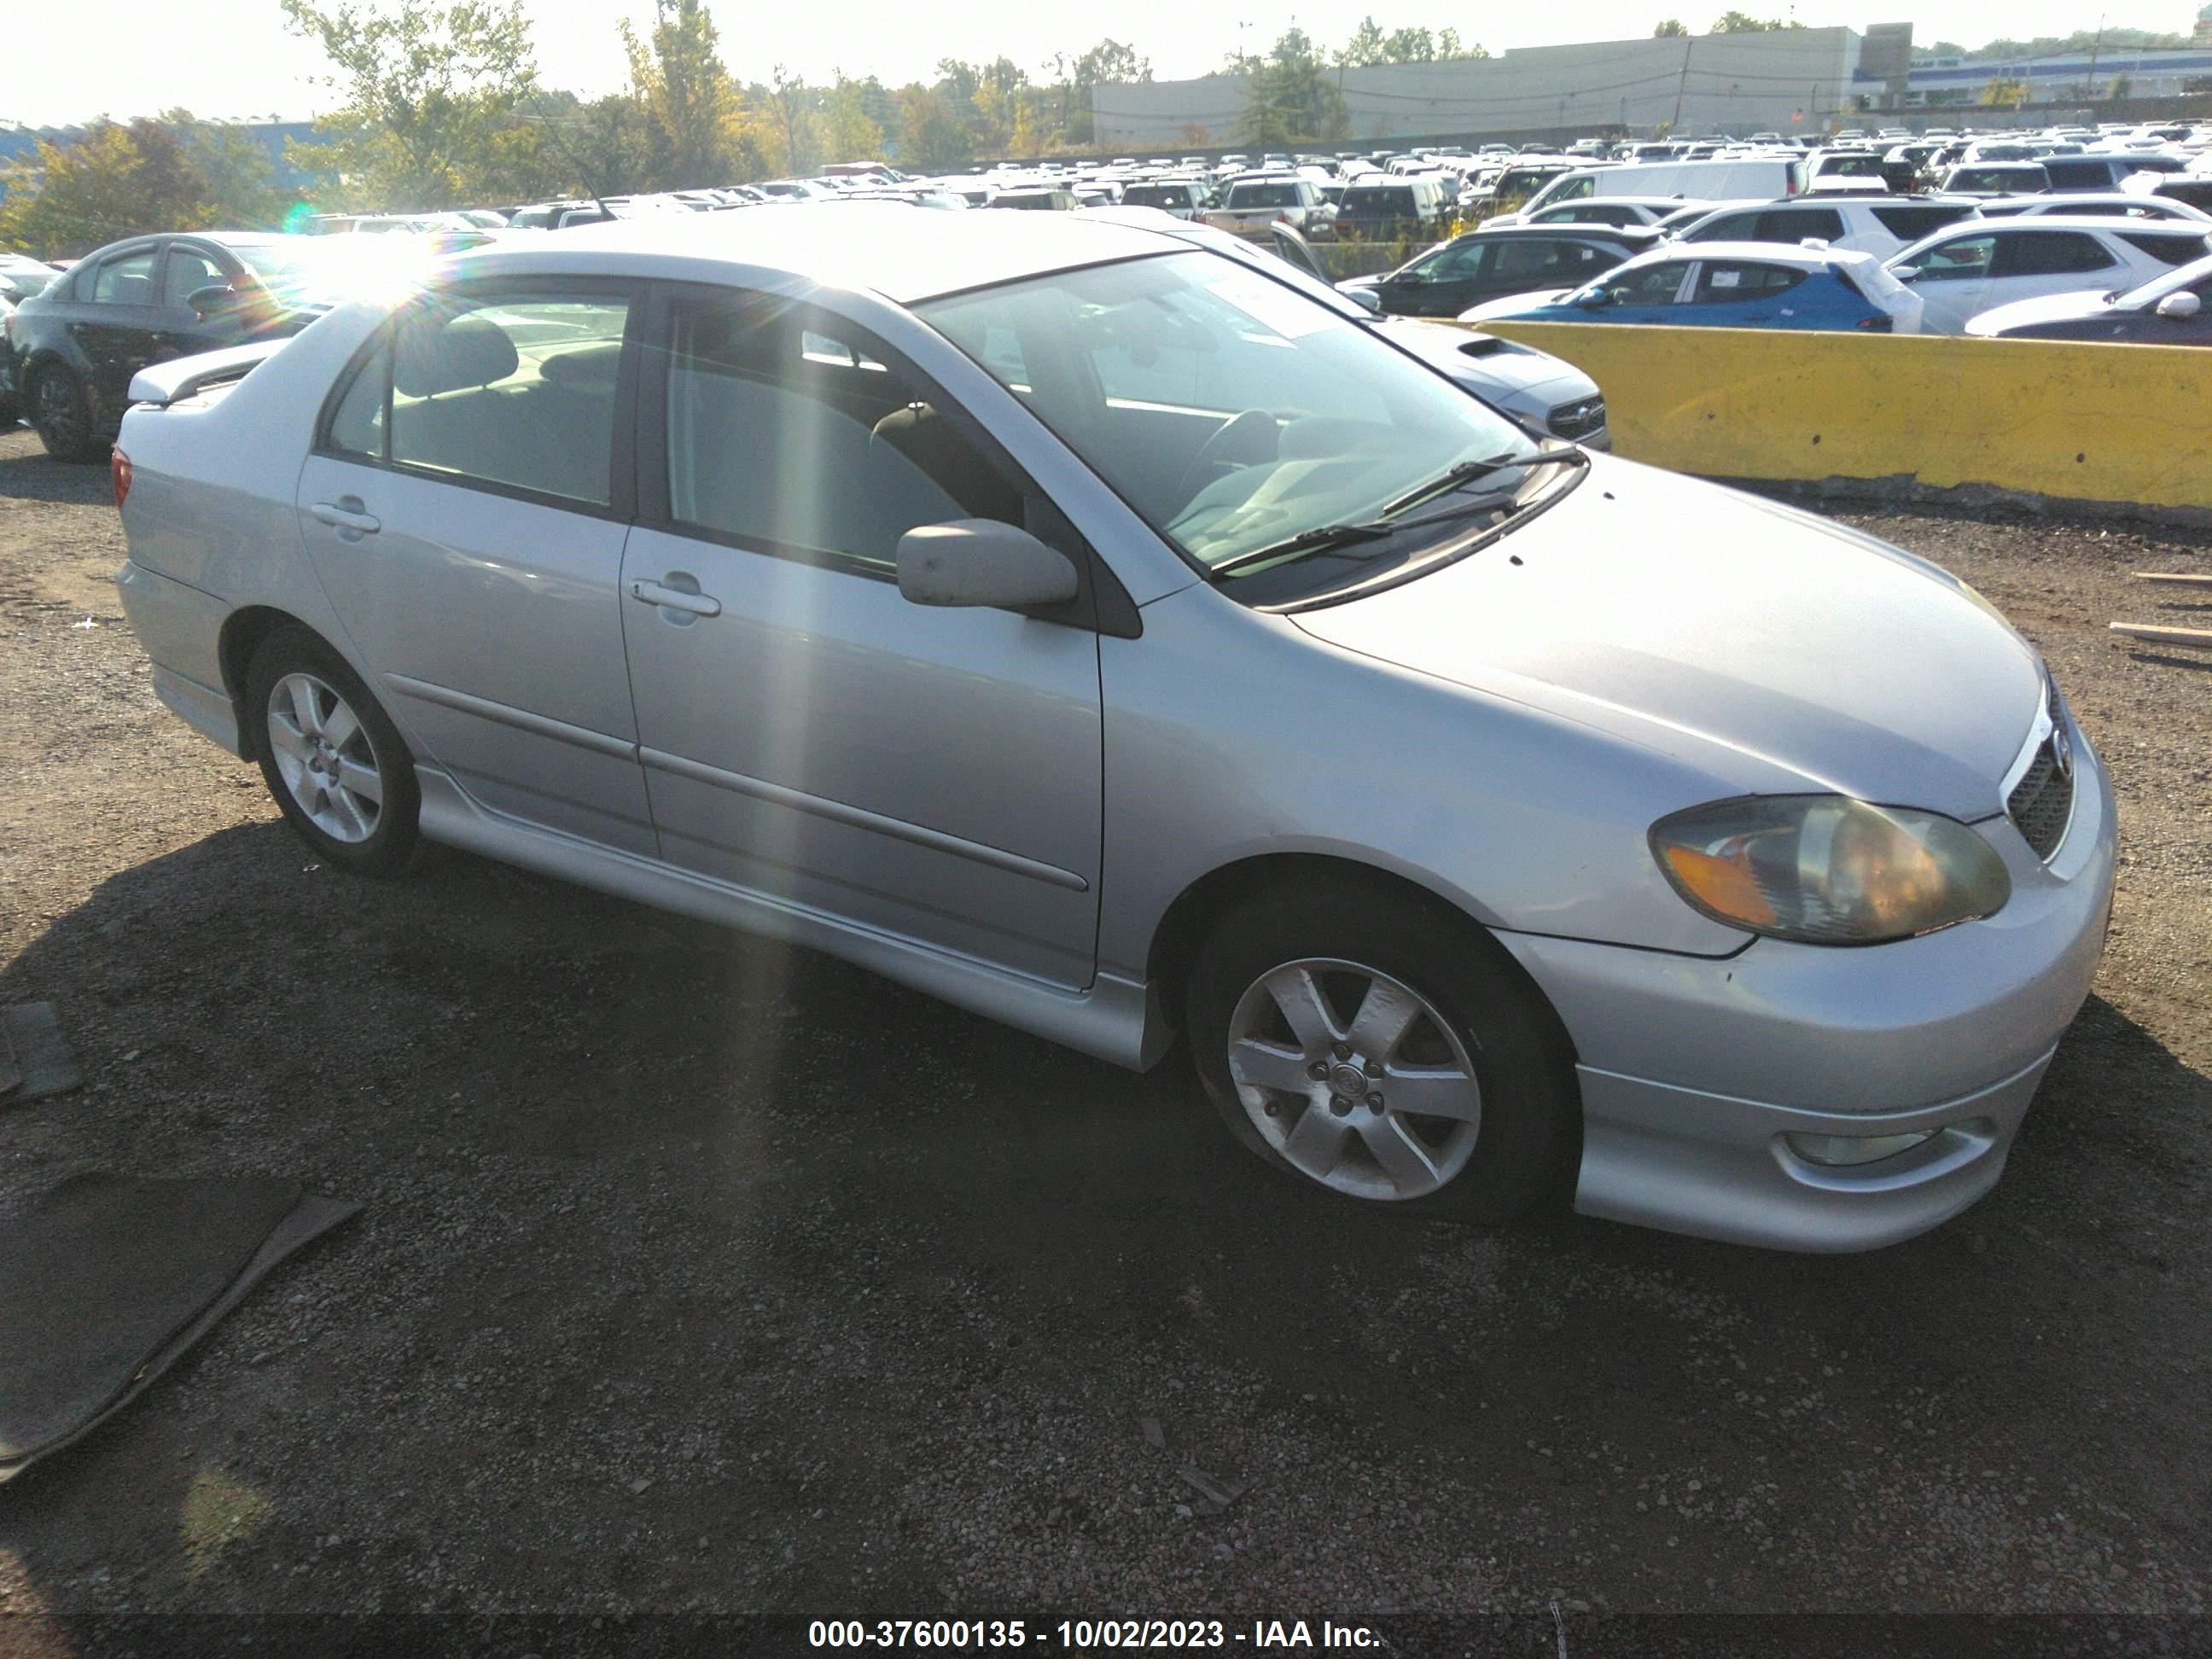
{"x": 346, "y": 514}
{"x": 677, "y": 598}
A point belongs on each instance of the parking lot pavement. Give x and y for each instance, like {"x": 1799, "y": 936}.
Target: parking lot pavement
{"x": 696, "y": 1274}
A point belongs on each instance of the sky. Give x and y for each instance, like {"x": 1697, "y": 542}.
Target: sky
{"x": 78, "y": 59}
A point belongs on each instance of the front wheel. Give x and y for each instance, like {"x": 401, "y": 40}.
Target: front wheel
{"x": 1378, "y": 1047}
{"x": 335, "y": 763}
{"x": 62, "y": 414}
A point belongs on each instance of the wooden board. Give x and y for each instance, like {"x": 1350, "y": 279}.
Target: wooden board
{"x": 2171, "y": 576}
{"x": 2199, "y": 637}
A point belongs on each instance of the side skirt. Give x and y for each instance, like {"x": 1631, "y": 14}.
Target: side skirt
{"x": 1117, "y": 1019}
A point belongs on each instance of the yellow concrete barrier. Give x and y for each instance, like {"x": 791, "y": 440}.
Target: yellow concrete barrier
{"x": 2118, "y": 423}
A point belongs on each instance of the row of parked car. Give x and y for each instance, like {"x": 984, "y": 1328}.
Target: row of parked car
{"x": 2126, "y": 266}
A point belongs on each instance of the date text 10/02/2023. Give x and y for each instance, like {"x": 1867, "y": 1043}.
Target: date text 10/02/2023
{"x": 1084, "y": 1634}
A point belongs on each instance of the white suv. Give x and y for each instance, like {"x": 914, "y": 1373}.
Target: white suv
{"x": 1972, "y": 266}
{"x": 1881, "y": 227}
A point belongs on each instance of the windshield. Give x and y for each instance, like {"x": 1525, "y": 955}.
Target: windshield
{"x": 1229, "y": 410}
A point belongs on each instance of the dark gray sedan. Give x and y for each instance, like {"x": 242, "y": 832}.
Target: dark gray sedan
{"x": 2168, "y": 310}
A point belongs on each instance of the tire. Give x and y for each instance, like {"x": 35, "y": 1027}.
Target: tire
{"x": 62, "y": 414}
{"x": 1494, "y": 1147}
{"x": 333, "y": 761}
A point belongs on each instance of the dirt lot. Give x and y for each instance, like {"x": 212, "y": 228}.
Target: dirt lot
{"x": 699, "y": 1275}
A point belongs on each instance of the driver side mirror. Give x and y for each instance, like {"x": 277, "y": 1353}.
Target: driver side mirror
{"x": 982, "y": 563}
{"x": 215, "y": 301}
{"x": 1907, "y": 273}
{"x": 1366, "y": 297}
{"x": 2178, "y": 307}
{"x": 1595, "y": 300}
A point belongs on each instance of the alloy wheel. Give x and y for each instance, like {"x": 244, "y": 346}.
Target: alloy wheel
{"x": 1355, "y": 1078}
{"x": 323, "y": 756}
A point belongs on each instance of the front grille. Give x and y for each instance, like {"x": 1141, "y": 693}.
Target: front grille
{"x": 2043, "y": 800}
{"x": 1577, "y": 419}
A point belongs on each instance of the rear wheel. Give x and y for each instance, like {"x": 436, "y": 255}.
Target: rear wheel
{"x": 333, "y": 761}
{"x": 1381, "y": 1049}
{"x": 62, "y": 414}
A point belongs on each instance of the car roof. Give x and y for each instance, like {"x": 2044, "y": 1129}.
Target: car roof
{"x": 1554, "y": 231}
{"x": 1769, "y": 253}
{"x": 2014, "y": 224}
{"x": 883, "y": 247}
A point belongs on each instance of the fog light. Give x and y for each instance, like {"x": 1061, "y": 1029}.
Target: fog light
{"x": 1836, "y": 1149}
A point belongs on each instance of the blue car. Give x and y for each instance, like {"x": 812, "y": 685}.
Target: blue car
{"x": 1729, "y": 285}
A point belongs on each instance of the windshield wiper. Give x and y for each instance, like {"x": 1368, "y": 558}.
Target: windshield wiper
{"x": 1450, "y": 479}
{"x": 1306, "y": 541}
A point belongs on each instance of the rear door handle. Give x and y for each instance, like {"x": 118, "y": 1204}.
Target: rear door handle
{"x": 675, "y": 599}
{"x": 346, "y": 515}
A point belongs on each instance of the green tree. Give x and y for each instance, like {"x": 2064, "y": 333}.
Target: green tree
{"x": 849, "y": 133}
{"x": 1365, "y": 47}
{"x": 933, "y": 138}
{"x": 435, "y": 100}
{"x": 1742, "y": 22}
{"x": 1290, "y": 96}
{"x": 1409, "y": 46}
{"x": 792, "y": 120}
{"x": 1449, "y": 49}
{"x": 125, "y": 179}
{"x": 1669, "y": 28}
{"x": 684, "y": 94}
{"x": 2005, "y": 92}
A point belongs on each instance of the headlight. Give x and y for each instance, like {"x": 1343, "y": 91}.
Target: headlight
{"x": 1828, "y": 870}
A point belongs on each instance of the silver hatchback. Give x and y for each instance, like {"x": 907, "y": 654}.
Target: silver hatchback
{"x": 1097, "y": 633}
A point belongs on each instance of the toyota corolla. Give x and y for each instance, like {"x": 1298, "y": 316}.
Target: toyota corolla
{"x": 1094, "y": 632}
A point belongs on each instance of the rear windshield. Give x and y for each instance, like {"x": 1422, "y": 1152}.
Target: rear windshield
{"x": 1157, "y": 195}
{"x": 1263, "y": 196}
{"x": 1358, "y": 199}
{"x": 2169, "y": 250}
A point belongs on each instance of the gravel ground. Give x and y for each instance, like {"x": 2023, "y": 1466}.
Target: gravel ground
{"x": 699, "y": 1275}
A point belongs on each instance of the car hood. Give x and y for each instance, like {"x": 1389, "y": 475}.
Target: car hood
{"x": 1776, "y": 651}
{"x": 1512, "y": 305}
{"x": 1486, "y": 361}
{"x": 2042, "y": 308}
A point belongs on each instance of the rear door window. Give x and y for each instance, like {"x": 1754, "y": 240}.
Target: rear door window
{"x": 1730, "y": 281}
{"x": 514, "y": 389}
{"x": 2078, "y": 175}
{"x": 2048, "y": 253}
{"x": 125, "y": 280}
{"x": 1796, "y": 224}
{"x": 2168, "y": 250}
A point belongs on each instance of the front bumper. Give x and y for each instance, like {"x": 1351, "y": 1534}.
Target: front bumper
{"x": 1694, "y": 1070}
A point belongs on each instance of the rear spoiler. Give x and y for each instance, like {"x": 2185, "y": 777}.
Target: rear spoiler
{"x": 181, "y": 377}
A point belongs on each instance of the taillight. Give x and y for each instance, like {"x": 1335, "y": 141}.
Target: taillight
{"x": 1878, "y": 325}
{"x": 119, "y": 473}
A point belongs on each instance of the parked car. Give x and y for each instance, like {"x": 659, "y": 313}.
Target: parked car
{"x": 1052, "y": 200}
{"x": 966, "y": 611}
{"x": 1729, "y": 285}
{"x": 1972, "y": 267}
{"x": 1607, "y": 210}
{"x": 1446, "y": 280}
{"x": 1883, "y": 227}
{"x": 2114, "y": 204}
{"x": 1252, "y": 204}
{"x": 1994, "y": 179}
{"x": 1761, "y": 177}
{"x": 1185, "y": 198}
{"x": 1382, "y": 208}
{"x": 2097, "y": 174}
{"x": 75, "y": 345}
{"x": 2175, "y": 309}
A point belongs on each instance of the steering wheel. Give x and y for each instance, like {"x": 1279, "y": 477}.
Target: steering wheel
{"x": 1245, "y": 440}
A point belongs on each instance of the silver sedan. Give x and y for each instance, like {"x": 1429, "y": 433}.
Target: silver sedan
{"x": 1102, "y": 634}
